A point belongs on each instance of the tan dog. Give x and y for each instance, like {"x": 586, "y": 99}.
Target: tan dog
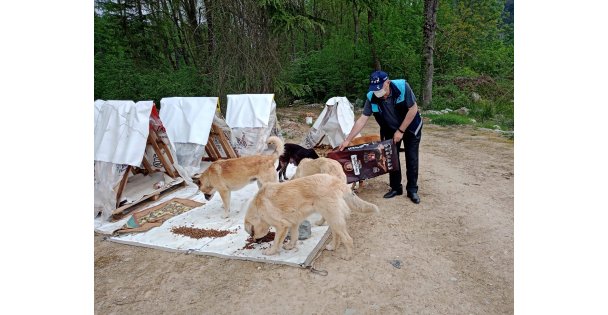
{"x": 284, "y": 206}
{"x": 225, "y": 176}
{"x": 321, "y": 165}
{"x": 361, "y": 140}
{"x": 365, "y": 139}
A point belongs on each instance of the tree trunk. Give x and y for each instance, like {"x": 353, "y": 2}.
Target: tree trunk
{"x": 430, "y": 25}
{"x": 356, "y": 22}
{"x": 210, "y": 34}
{"x": 191, "y": 10}
{"x": 370, "y": 38}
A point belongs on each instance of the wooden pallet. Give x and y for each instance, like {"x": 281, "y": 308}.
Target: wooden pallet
{"x": 125, "y": 210}
{"x": 218, "y": 146}
{"x": 163, "y": 153}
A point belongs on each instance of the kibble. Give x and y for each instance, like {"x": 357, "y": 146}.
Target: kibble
{"x": 200, "y": 233}
{"x": 266, "y": 239}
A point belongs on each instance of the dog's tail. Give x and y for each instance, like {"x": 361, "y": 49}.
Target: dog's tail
{"x": 355, "y": 203}
{"x": 279, "y": 147}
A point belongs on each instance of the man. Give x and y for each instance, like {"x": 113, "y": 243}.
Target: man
{"x": 393, "y": 104}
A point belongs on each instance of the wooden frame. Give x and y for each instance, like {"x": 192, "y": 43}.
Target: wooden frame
{"x": 218, "y": 140}
{"x": 164, "y": 155}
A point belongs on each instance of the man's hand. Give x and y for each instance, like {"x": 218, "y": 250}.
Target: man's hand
{"x": 343, "y": 145}
{"x": 397, "y": 136}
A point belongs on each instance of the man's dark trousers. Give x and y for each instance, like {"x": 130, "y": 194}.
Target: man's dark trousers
{"x": 411, "y": 144}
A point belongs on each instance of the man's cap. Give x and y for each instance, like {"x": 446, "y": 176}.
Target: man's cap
{"x": 376, "y": 80}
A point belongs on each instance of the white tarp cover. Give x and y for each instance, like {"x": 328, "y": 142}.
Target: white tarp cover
{"x": 188, "y": 119}
{"x": 248, "y": 110}
{"x": 252, "y": 119}
{"x": 121, "y": 131}
{"x": 335, "y": 122}
{"x": 121, "y": 134}
{"x": 209, "y": 216}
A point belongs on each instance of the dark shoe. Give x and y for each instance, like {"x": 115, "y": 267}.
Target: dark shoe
{"x": 414, "y": 197}
{"x": 393, "y": 193}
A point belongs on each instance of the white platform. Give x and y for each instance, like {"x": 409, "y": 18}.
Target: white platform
{"x": 209, "y": 216}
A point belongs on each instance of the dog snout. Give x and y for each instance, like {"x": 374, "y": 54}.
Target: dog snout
{"x": 249, "y": 229}
{"x": 208, "y": 196}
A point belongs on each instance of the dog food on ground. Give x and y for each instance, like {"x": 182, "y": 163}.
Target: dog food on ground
{"x": 199, "y": 233}
{"x": 266, "y": 239}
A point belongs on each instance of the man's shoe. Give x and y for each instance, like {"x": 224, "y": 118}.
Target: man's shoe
{"x": 393, "y": 193}
{"x": 414, "y": 197}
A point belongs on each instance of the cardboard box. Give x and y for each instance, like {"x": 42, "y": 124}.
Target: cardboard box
{"x": 367, "y": 160}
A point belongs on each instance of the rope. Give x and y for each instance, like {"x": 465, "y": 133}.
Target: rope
{"x": 312, "y": 264}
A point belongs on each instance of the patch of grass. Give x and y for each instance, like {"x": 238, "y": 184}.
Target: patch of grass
{"x": 487, "y": 124}
{"x": 494, "y": 108}
{"x": 449, "y": 119}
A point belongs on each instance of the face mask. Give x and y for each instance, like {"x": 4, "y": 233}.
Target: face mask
{"x": 380, "y": 93}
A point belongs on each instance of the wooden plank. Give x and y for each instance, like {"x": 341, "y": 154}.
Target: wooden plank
{"x": 213, "y": 152}
{"x": 224, "y": 142}
{"x": 166, "y": 150}
{"x": 123, "y": 211}
{"x": 147, "y": 165}
{"x": 168, "y": 167}
{"x": 122, "y": 185}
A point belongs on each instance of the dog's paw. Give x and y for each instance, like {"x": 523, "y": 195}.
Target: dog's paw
{"x": 320, "y": 222}
{"x": 225, "y": 215}
{"x": 269, "y": 251}
{"x": 346, "y": 257}
{"x": 289, "y": 246}
{"x": 329, "y": 247}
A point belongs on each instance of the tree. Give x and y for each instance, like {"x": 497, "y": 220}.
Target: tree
{"x": 430, "y": 25}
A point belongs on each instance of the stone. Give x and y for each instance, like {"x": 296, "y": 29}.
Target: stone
{"x": 396, "y": 263}
{"x": 476, "y": 97}
{"x": 304, "y": 231}
{"x": 463, "y": 111}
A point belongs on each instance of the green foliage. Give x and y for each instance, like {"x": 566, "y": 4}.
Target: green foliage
{"x": 449, "y": 119}
{"x": 329, "y": 71}
{"x": 308, "y": 50}
{"x": 285, "y": 16}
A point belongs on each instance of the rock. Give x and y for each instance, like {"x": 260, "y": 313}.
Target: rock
{"x": 432, "y": 112}
{"x": 476, "y": 97}
{"x": 463, "y": 111}
{"x": 304, "y": 231}
{"x": 496, "y": 127}
{"x": 396, "y": 263}
{"x": 473, "y": 120}
{"x": 298, "y": 102}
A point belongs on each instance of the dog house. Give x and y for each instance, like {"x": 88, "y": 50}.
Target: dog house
{"x": 252, "y": 118}
{"x": 333, "y": 125}
{"x": 134, "y": 160}
{"x": 197, "y": 131}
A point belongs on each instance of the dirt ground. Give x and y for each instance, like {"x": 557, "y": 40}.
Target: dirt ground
{"x": 454, "y": 249}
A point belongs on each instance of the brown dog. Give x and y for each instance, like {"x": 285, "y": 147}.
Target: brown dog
{"x": 225, "y": 176}
{"x": 321, "y": 165}
{"x": 361, "y": 140}
{"x": 285, "y": 205}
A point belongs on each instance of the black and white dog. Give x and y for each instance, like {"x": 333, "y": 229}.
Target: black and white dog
{"x": 293, "y": 154}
